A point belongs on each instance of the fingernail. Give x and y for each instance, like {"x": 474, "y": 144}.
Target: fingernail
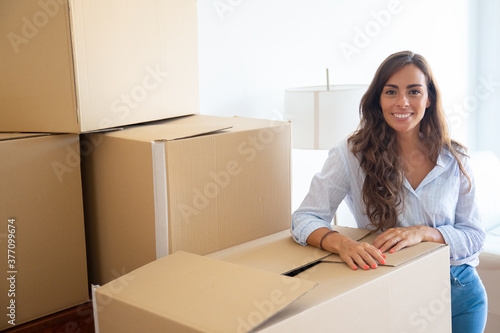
{"x": 382, "y": 262}
{"x": 374, "y": 266}
{"x": 383, "y": 255}
{"x": 392, "y": 251}
{"x": 366, "y": 266}
{"x": 354, "y": 267}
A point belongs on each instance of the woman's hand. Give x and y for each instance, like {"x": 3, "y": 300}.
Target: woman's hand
{"x": 395, "y": 239}
{"x": 360, "y": 254}
{"x": 353, "y": 253}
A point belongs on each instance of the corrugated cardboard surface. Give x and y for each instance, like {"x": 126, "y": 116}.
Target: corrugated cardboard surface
{"x": 222, "y": 188}
{"x": 386, "y": 299}
{"x": 489, "y": 272}
{"x": 119, "y": 205}
{"x": 414, "y": 297}
{"x": 37, "y": 91}
{"x": 189, "y": 293}
{"x": 40, "y": 187}
{"x": 76, "y": 66}
{"x": 282, "y": 253}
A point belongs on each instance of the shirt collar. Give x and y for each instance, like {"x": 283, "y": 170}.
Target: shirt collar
{"x": 444, "y": 158}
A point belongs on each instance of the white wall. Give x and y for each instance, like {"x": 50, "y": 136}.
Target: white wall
{"x": 483, "y": 104}
{"x": 252, "y": 50}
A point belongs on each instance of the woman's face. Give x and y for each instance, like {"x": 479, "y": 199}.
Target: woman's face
{"x": 404, "y": 99}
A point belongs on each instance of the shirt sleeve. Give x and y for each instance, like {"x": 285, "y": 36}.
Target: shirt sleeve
{"x": 466, "y": 236}
{"x": 328, "y": 189}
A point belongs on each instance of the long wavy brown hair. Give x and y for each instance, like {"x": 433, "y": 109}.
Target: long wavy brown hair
{"x": 375, "y": 145}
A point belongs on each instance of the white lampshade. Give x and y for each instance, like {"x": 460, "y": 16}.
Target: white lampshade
{"x": 322, "y": 118}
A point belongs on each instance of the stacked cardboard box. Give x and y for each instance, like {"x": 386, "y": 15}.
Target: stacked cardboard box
{"x": 74, "y": 67}
{"x": 198, "y": 184}
{"x": 77, "y": 66}
{"x": 42, "y": 242}
{"x": 489, "y": 272}
{"x": 157, "y": 176}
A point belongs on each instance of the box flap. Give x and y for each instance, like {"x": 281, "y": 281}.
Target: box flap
{"x": 282, "y": 253}
{"x": 15, "y": 136}
{"x": 398, "y": 258}
{"x": 170, "y": 129}
{"x": 352, "y": 233}
{"x": 201, "y": 294}
{"x": 194, "y": 125}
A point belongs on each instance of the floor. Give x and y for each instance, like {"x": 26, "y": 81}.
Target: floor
{"x": 74, "y": 320}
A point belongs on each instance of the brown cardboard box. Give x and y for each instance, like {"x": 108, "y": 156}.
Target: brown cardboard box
{"x": 197, "y": 183}
{"x": 489, "y": 272}
{"x": 42, "y": 242}
{"x": 184, "y": 292}
{"x": 410, "y": 294}
{"x": 77, "y": 66}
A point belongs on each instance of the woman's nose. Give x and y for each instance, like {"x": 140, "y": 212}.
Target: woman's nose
{"x": 402, "y": 100}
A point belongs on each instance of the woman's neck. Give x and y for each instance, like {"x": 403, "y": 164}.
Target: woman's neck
{"x": 409, "y": 142}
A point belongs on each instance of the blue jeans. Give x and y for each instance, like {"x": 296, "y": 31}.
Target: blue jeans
{"x": 469, "y": 303}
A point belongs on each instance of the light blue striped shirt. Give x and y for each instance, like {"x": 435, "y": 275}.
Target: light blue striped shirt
{"x": 440, "y": 201}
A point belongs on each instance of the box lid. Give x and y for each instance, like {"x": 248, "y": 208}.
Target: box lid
{"x": 191, "y": 126}
{"x": 199, "y": 294}
{"x": 279, "y": 253}
{"x": 283, "y": 254}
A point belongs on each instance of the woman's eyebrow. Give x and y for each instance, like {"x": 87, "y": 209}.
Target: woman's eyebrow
{"x": 407, "y": 87}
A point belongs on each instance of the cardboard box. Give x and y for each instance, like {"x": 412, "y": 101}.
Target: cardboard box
{"x": 197, "y": 183}
{"x": 489, "y": 272}
{"x": 42, "y": 242}
{"x": 410, "y": 294}
{"x": 77, "y": 66}
{"x": 184, "y": 292}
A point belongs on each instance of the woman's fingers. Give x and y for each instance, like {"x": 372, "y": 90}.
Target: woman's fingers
{"x": 361, "y": 255}
{"x": 396, "y": 239}
{"x": 387, "y": 240}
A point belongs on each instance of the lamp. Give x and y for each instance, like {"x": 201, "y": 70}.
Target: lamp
{"x": 322, "y": 116}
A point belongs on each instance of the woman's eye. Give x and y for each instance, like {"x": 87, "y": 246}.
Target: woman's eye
{"x": 415, "y": 92}
{"x": 390, "y": 92}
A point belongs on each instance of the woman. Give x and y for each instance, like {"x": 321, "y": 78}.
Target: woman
{"x": 401, "y": 175}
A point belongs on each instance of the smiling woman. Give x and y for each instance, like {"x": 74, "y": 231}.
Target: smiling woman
{"x": 402, "y": 176}
{"x": 404, "y": 100}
